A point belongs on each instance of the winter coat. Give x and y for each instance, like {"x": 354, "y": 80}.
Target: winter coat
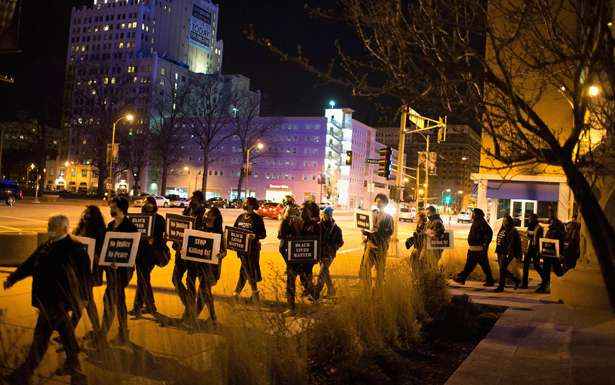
{"x": 480, "y": 234}
{"x": 332, "y": 239}
{"x": 383, "y": 229}
{"x": 508, "y": 243}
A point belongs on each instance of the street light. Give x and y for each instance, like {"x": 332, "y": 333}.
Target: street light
{"x": 259, "y": 146}
{"x": 332, "y": 103}
{"x": 129, "y": 118}
{"x": 464, "y": 158}
{"x": 593, "y": 91}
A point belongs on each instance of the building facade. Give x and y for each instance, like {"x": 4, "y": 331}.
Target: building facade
{"x": 300, "y": 157}
{"x": 458, "y": 157}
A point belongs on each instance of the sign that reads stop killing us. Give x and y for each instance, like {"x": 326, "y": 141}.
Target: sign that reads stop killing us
{"x": 176, "y": 225}
{"x": 201, "y": 246}
{"x": 120, "y": 249}
{"x": 303, "y": 250}
{"x": 143, "y": 222}
{"x": 238, "y": 239}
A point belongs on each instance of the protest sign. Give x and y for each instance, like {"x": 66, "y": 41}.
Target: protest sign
{"x": 90, "y": 246}
{"x": 445, "y": 241}
{"x": 238, "y": 239}
{"x": 363, "y": 220}
{"x": 303, "y": 249}
{"x": 177, "y": 224}
{"x": 549, "y": 248}
{"x": 143, "y": 222}
{"x": 120, "y": 249}
{"x": 201, "y": 246}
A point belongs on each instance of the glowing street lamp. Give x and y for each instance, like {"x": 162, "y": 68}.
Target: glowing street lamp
{"x": 332, "y": 103}
{"x": 129, "y": 117}
{"x": 593, "y": 91}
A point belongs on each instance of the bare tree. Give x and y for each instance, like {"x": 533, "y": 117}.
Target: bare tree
{"x": 500, "y": 65}
{"x": 209, "y": 123}
{"x": 170, "y": 105}
{"x": 134, "y": 154}
{"x": 248, "y": 129}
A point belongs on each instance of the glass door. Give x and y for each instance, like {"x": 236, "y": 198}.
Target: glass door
{"x": 520, "y": 209}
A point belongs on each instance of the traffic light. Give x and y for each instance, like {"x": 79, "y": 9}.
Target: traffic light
{"x": 348, "y": 158}
{"x": 384, "y": 162}
{"x": 447, "y": 200}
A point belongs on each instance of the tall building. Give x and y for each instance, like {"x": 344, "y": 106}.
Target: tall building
{"x": 125, "y": 55}
{"x": 457, "y": 158}
{"x": 299, "y": 158}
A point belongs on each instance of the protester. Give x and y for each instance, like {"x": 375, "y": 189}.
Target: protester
{"x": 332, "y": 240}
{"x": 60, "y": 271}
{"x": 186, "y": 293}
{"x": 434, "y": 229}
{"x": 290, "y": 229}
{"x": 572, "y": 243}
{"x": 250, "y": 262}
{"x": 533, "y": 234}
{"x": 118, "y": 278}
{"x": 377, "y": 243}
{"x": 557, "y": 231}
{"x": 418, "y": 237}
{"x": 479, "y": 238}
{"x": 154, "y": 245}
{"x": 92, "y": 225}
{"x": 508, "y": 246}
{"x": 208, "y": 274}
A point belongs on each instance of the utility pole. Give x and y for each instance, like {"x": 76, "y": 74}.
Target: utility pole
{"x": 427, "y": 161}
{"x": 399, "y": 177}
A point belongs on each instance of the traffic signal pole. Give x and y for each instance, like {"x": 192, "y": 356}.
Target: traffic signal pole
{"x": 399, "y": 177}
{"x": 427, "y": 161}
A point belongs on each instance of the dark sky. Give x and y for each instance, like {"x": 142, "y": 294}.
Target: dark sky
{"x": 39, "y": 69}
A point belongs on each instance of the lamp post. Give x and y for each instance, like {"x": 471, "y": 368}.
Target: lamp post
{"x": 259, "y": 146}
{"x": 129, "y": 118}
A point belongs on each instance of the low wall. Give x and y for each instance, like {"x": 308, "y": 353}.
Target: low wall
{"x": 16, "y": 247}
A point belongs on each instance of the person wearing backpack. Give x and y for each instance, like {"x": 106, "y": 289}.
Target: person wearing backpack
{"x": 332, "y": 241}
{"x": 149, "y": 257}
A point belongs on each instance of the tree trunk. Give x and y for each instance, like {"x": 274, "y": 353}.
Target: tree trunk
{"x": 102, "y": 176}
{"x": 164, "y": 173}
{"x": 240, "y": 182}
{"x": 205, "y": 171}
{"x": 601, "y": 231}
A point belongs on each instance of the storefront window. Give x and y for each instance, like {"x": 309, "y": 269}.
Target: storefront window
{"x": 503, "y": 207}
{"x": 545, "y": 209}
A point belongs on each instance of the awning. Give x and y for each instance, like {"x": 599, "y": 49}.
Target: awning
{"x": 537, "y": 191}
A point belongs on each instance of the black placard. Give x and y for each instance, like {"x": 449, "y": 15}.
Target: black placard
{"x": 177, "y": 224}
{"x": 119, "y": 249}
{"x": 200, "y": 246}
{"x": 444, "y": 241}
{"x": 238, "y": 239}
{"x": 549, "y": 248}
{"x": 143, "y": 222}
{"x": 363, "y": 220}
{"x": 303, "y": 250}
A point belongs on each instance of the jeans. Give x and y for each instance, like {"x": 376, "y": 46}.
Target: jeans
{"x": 179, "y": 270}
{"x": 324, "y": 278}
{"x": 372, "y": 258}
{"x": 145, "y": 293}
{"x": 548, "y": 265}
{"x": 477, "y": 258}
{"x": 304, "y": 271}
{"x": 504, "y": 261}
{"x": 50, "y": 319}
{"x": 115, "y": 300}
{"x": 90, "y": 307}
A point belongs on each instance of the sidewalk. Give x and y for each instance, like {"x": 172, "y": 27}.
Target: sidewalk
{"x": 540, "y": 342}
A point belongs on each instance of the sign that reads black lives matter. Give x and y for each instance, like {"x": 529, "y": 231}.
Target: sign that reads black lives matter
{"x": 444, "y": 241}
{"x": 200, "y": 246}
{"x": 119, "y": 249}
{"x": 176, "y": 225}
{"x": 143, "y": 222}
{"x": 303, "y": 250}
{"x": 363, "y": 220}
{"x": 549, "y": 248}
{"x": 238, "y": 239}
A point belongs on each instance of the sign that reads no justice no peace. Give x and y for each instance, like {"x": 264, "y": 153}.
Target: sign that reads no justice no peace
{"x": 120, "y": 249}
{"x": 177, "y": 224}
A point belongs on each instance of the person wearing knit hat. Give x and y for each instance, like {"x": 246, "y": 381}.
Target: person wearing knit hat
{"x": 332, "y": 240}
{"x": 479, "y": 238}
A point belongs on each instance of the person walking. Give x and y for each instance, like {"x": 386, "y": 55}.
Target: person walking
{"x": 92, "y": 225}
{"x": 479, "y": 238}
{"x": 291, "y": 229}
{"x": 118, "y": 278}
{"x": 332, "y": 241}
{"x": 533, "y": 234}
{"x": 144, "y": 302}
{"x": 508, "y": 246}
{"x": 418, "y": 237}
{"x": 557, "y": 231}
{"x": 572, "y": 243}
{"x": 250, "y": 270}
{"x": 434, "y": 229}
{"x": 60, "y": 271}
{"x": 208, "y": 274}
{"x": 187, "y": 293}
{"x": 376, "y": 244}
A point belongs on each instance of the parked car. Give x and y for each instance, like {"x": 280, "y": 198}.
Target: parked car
{"x": 270, "y": 210}
{"x": 464, "y": 217}
{"x": 177, "y": 201}
{"x": 407, "y": 214}
{"x": 12, "y": 187}
{"x": 234, "y": 204}
{"x": 216, "y": 202}
{"x": 160, "y": 201}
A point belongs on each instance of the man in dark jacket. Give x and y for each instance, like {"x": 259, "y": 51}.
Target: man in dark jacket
{"x": 556, "y": 231}
{"x": 534, "y": 233}
{"x": 433, "y": 229}
{"x": 377, "y": 244}
{"x": 60, "y": 271}
{"x": 332, "y": 240}
{"x": 572, "y": 243}
{"x": 118, "y": 278}
{"x": 479, "y": 238}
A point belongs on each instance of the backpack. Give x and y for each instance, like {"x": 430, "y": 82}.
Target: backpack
{"x": 162, "y": 256}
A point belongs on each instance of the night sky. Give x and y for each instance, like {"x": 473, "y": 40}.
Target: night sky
{"x": 289, "y": 90}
